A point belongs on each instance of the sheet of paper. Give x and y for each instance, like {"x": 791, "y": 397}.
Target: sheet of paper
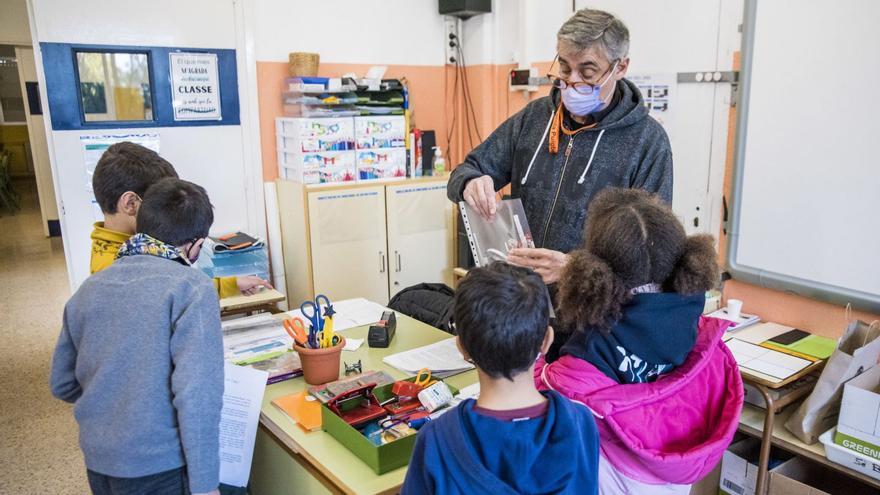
{"x": 350, "y": 313}
{"x": 242, "y": 399}
{"x": 376, "y": 72}
{"x": 761, "y": 332}
{"x": 744, "y": 320}
{"x": 472, "y": 391}
{"x": 439, "y": 357}
{"x": 352, "y": 344}
{"x": 247, "y": 322}
{"x": 767, "y": 361}
{"x": 811, "y": 345}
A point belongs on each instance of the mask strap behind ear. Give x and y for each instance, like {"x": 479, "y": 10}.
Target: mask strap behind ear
{"x": 184, "y": 256}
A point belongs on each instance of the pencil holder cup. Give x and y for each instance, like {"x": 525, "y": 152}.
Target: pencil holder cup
{"x": 320, "y": 365}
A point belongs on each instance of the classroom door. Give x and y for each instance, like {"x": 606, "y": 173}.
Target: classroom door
{"x": 108, "y": 74}
{"x": 681, "y": 37}
{"x": 420, "y": 235}
{"x": 349, "y": 243}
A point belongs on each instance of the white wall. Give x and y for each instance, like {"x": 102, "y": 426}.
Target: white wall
{"x": 191, "y": 23}
{"x": 516, "y": 31}
{"x": 406, "y": 32}
{"x": 14, "y": 23}
{"x": 223, "y": 159}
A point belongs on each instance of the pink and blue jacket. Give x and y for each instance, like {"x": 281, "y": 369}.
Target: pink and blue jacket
{"x": 670, "y": 431}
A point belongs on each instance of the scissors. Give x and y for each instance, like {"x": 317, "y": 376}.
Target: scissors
{"x": 423, "y": 378}
{"x": 312, "y": 311}
{"x": 296, "y": 328}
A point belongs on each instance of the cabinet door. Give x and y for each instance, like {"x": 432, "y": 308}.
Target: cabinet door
{"x": 420, "y": 240}
{"x": 349, "y": 243}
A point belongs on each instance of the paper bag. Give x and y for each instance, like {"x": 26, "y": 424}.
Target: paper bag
{"x": 857, "y": 351}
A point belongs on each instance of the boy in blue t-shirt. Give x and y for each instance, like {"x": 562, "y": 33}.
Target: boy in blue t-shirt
{"x": 513, "y": 439}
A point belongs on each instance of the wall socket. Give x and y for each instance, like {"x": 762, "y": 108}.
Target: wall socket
{"x": 451, "y": 28}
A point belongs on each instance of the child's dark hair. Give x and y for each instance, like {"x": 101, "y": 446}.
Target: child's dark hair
{"x": 127, "y": 166}
{"x": 501, "y": 316}
{"x": 631, "y": 239}
{"x": 175, "y": 211}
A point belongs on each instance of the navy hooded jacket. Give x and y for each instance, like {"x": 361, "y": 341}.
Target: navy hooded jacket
{"x": 464, "y": 452}
{"x": 654, "y": 336}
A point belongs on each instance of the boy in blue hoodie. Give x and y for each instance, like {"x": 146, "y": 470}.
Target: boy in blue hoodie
{"x": 513, "y": 439}
{"x": 140, "y": 355}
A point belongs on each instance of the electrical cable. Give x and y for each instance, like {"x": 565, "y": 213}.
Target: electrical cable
{"x": 469, "y": 100}
{"x": 467, "y": 120}
{"x": 450, "y": 131}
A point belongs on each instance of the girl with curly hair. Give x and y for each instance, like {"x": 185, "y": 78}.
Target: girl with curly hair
{"x": 636, "y": 290}
{"x": 664, "y": 389}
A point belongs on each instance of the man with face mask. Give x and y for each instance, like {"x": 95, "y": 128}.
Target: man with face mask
{"x": 593, "y": 131}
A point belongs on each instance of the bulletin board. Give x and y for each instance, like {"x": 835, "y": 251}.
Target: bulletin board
{"x": 806, "y": 194}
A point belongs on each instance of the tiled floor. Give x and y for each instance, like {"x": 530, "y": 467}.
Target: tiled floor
{"x": 38, "y": 435}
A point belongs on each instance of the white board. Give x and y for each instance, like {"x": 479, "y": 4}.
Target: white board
{"x": 807, "y": 180}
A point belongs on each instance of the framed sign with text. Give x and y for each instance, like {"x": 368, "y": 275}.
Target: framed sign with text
{"x": 195, "y": 86}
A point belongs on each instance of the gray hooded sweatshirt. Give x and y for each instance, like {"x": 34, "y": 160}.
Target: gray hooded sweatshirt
{"x": 626, "y": 149}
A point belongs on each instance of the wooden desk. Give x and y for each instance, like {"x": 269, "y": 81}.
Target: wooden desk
{"x": 264, "y": 300}
{"x": 288, "y": 460}
{"x": 763, "y": 384}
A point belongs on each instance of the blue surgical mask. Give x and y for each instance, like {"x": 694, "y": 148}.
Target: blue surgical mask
{"x": 581, "y": 104}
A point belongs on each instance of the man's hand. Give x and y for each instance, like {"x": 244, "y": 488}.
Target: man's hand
{"x": 546, "y": 262}
{"x": 212, "y": 492}
{"x": 479, "y": 193}
{"x": 250, "y": 285}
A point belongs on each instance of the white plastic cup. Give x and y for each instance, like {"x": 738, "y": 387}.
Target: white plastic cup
{"x": 734, "y": 308}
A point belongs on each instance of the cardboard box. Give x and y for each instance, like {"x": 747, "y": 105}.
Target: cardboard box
{"x": 858, "y": 428}
{"x": 799, "y": 476}
{"x": 739, "y": 466}
{"x": 380, "y": 458}
{"x": 848, "y": 458}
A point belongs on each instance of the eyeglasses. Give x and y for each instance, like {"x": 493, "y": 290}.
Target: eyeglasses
{"x": 582, "y": 87}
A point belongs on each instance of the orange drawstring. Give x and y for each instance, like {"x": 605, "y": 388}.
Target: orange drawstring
{"x": 553, "y": 142}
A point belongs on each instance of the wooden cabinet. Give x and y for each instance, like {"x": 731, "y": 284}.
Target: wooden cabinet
{"x": 349, "y": 243}
{"x": 366, "y": 240}
{"x": 420, "y": 234}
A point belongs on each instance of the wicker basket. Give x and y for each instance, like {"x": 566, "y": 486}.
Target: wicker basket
{"x": 304, "y": 64}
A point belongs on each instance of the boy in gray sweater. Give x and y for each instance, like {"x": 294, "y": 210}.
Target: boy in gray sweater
{"x": 141, "y": 355}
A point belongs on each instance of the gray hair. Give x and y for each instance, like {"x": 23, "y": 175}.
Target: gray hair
{"x": 589, "y": 27}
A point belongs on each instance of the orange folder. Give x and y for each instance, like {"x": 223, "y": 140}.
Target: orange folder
{"x": 307, "y": 413}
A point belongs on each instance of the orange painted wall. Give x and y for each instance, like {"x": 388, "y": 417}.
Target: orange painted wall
{"x": 431, "y": 101}
{"x": 781, "y": 307}
{"x": 492, "y": 100}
